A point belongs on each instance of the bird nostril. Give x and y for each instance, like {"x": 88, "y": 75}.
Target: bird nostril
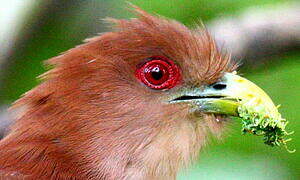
{"x": 219, "y": 86}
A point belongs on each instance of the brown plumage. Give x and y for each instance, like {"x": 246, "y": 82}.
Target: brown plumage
{"x": 91, "y": 118}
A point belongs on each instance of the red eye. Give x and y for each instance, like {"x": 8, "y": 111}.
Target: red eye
{"x": 159, "y": 73}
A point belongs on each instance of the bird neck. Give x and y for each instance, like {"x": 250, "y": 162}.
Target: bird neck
{"x": 38, "y": 155}
{"x": 54, "y": 140}
{"x": 35, "y": 150}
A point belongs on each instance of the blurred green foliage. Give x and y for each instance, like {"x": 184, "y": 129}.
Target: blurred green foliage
{"x": 189, "y": 11}
{"x": 237, "y": 157}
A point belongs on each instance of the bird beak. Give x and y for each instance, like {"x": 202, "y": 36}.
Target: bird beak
{"x": 224, "y": 97}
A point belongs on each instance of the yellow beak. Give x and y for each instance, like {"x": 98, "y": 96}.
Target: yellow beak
{"x": 225, "y": 96}
{"x": 237, "y": 96}
{"x": 239, "y": 89}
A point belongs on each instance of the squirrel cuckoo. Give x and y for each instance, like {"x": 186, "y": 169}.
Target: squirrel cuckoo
{"x": 136, "y": 103}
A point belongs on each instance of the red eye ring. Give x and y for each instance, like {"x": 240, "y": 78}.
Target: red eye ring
{"x": 159, "y": 73}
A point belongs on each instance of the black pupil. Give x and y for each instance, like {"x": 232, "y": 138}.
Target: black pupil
{"x": 156, "y": 73}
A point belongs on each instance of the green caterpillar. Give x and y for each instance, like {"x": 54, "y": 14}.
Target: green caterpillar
{"x": 257, "y": 121}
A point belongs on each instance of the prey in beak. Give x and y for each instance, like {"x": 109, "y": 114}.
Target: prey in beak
{"x": 234, "y": 95}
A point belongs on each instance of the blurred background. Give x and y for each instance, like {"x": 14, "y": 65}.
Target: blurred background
{"x": 262, "y": 34}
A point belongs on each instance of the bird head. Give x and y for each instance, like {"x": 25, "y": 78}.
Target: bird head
{"x": 136, "y": 102}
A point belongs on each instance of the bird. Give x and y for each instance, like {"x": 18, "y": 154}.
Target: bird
{"x": 138, "y": 102}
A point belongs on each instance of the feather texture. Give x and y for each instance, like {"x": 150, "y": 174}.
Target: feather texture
{"x": 91, "y": 118}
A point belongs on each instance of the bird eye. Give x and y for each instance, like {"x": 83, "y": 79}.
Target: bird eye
{"x": 159, "y": 73}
